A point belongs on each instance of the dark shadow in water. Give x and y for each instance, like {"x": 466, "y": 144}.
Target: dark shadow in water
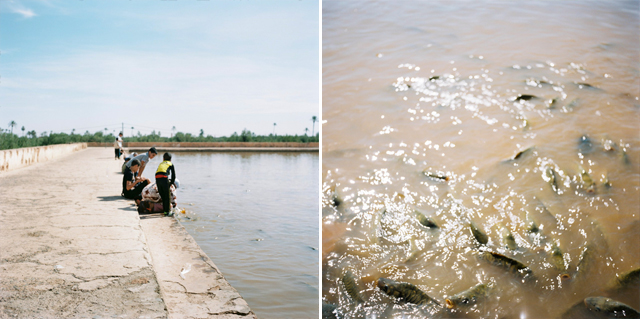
{"x": 110, "y": 198}
{"x": 153, "y": 215}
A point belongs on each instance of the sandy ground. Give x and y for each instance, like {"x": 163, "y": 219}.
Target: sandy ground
{"x": 71, "y": 247}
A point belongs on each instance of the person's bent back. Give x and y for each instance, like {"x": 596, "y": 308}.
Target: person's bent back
{"x": 144, "y": 159}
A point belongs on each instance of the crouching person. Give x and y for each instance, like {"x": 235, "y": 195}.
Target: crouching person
{"x": 162, "y": 181}
{"x": 132, "y": 186}
{"x": 151, "y": 200}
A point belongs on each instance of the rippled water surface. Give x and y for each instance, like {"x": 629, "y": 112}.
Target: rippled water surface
{"x": 256, "y": 216}
{"x": 426, "y": 106}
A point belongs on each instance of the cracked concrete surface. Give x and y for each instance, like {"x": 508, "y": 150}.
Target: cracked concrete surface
{"x": 71, "y": 247}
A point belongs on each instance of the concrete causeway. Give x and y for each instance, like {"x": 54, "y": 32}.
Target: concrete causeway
{"x": 71, "y": 247}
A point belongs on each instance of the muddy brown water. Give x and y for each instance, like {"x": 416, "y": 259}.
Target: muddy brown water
{"x": 256, "y": 216}
{"x": 410, "y": 87}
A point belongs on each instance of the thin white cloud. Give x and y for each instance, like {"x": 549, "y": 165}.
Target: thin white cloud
{"x": 26, "y": 13}
{"x": 21, "y": 10}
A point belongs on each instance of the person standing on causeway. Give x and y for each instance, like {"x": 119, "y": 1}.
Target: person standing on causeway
{"x": 118, "y": 145}
{"x": 163, "y": 182}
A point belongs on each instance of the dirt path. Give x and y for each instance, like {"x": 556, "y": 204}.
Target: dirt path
{"x": 71, "y": 247}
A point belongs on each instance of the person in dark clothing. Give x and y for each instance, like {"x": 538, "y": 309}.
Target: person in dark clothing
{"x": 132, "y": 186}
{"x": 163, "y": 182}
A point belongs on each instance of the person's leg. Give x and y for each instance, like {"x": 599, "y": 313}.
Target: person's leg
{"x": 137, "y": 190}
{"x": 163, "y": 190}
{"x": 117, "y": 151}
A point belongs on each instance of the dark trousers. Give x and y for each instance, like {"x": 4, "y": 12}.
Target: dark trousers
{"x": 135, "y": 192}
{"x": 118, "y": 152}
{"x": 165, "y": 193}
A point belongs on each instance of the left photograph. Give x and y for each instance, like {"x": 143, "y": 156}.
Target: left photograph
{"x": 159, "y": 159}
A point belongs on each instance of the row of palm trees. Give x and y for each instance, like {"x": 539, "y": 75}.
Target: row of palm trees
{"x": 13, "y": 124}
{"x": 314, "y": 119}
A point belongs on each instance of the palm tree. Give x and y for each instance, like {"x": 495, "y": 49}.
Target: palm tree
{"x": 173, "y": 131}
{"x": 274, "y": 128}
{"x": 314, "y": 119}
{"x": 132, "y": 131}
{"x": 23, "y": 131}
{"x": 13, "y": 123}
{"x": 306, "y": 130}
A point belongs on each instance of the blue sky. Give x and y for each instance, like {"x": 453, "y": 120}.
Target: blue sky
{"x": 216, "y": 65}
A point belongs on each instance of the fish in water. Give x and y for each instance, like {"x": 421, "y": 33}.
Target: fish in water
{"x": 479, "y": 235}
{"x": 536, "y": 82}
{"x": 438, "y": 176}
{"x": 541, "y": 207}
{"x": 335, "y": 201}
{"x": 405, "y": 291}
{"x": 552, "y": 178}
{"x": 531, "y": 225}
{"x": 585, "y": 145}
{"x": 577, "y": 311}
{"x": 557, "y": 260}
{"x": 627, "y": 279}
{"x": 551, "y": 104}
{"x": 571, "y": 105}
{"x": 509, "y": 240}
{"x": 510, "y": 264}
{"x": 587, "y": 86}
{"x": 587, "y": 182}
{"x": 329, "y": 311}
{"x": 610, "y": 308}
{"x": 624, "y": 156}
{"x": 520, "y": 154}
{"x": 605, "y": 180}
{"x": 586, "y": 258}
{"x": 351, "y": 287}
{"x": 425, "y": 221}
{"x": 525, "y": 97}
{"x": 609, "y": 145}
{"x": 468, "y": 297}
{"x": 435, "y": 77}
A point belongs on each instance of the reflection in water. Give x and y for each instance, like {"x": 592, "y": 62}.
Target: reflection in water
{"x": 487, "y": 154}
{"x": 255, "y": 215}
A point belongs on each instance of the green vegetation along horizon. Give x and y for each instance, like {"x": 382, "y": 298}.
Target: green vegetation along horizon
{"x": 9, "y": 140}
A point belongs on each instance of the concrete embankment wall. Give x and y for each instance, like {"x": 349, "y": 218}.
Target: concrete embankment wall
{"x": 20, "y": 157}
{"x": 72, "y": 247}
{"x": 217, "y": 146}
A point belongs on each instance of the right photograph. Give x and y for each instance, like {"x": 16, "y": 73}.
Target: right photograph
{"x": 480, "y": 159}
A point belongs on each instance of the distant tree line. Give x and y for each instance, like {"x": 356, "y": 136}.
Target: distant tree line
{"x": 9, "y": 140}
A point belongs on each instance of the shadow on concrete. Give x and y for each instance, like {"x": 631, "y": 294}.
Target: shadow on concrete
{"x": 110, "y": 198}
{"x": 130, "y": 208}
{"x": 150, "y": 216}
